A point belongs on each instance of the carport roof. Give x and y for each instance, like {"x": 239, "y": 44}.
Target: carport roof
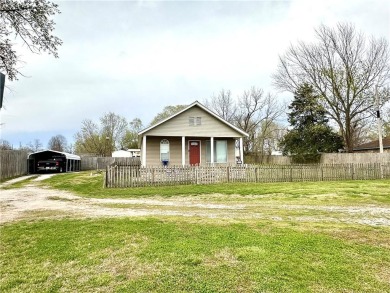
{"x": 67, "y": 155}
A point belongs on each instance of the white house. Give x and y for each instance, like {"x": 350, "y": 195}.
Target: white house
{"x": 130, "y": 153}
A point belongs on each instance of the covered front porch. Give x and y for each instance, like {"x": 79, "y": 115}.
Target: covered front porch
{"x": 182, "y": 151}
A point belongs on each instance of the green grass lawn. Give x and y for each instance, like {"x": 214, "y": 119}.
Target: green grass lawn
{"x": 367, "y": 191}
{"x": 198, "y": 254}
{"x": 174, "y": 255}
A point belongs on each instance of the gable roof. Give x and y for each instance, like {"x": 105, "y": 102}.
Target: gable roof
{"x": 196, "y": 103}
{"x": 373, "y": 145}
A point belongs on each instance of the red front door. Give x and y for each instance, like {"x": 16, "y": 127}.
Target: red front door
{"x": 194, "y": 152}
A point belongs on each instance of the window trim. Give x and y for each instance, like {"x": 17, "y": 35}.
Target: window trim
{"x": 165, "y": 142}
{"x": 208, "y": 149}
{"x": 194, "y": 121}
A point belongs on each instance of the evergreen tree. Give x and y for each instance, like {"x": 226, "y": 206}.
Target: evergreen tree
{"x": 311, "y": 135}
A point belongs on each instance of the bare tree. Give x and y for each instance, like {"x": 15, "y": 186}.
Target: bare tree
{"x": 130, "y": 138}
{"x": 343, "y": 67}
{"x": 255, "y": 115}
{"x": 89, "y": 139}
{"x": 35, "y": 145}
{"x": 253, "y": 111}
{"x": 30, "y": 21}
{"x": 5, "y": 145}
{"x": 368, "y": 131}
{"x": 269, "y": 131}
{"x": 58, "y": 143}
{"x": 223, "y": 104}
{"x": 101, "y": 140}
{"x": 113, "y": 128}
{"x": 70, "y": 149}
{"x": 386, "y": 122}
{"x": 271, "y": 136}
{"x": 248, "y": 115}
{"x": 167, "y": 112}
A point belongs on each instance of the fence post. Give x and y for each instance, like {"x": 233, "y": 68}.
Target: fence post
{"x": 256, "y": 174}
{"x": 381, "y": 170}
{"x": 108, "y": 177}
{"x": 351, "y": 170}
{"x": 131, "y": 176}
{"x": 105, "y": 178}
{"x": 227, "y": 174}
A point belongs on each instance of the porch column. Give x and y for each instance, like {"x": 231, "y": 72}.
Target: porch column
{"x": 212, "y": 150}
{"x": 241, "y": 150}
{"x": 183, "y": 151}
{"x": 144, "y": 151}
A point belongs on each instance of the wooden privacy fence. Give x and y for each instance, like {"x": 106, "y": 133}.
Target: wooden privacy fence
{"x": 101, "y": 163}
{"x": 12, "y": 163}
{"x": 353, "y": 158}
{"x": 131, "y": 176}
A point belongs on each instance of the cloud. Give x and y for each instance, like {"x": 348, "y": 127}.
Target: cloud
{"x": 134, "y": 58}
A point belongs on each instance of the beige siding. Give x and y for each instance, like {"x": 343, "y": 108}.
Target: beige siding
{"x": 153, "y": 150}
{"x": 179, "y": 126}
{"x": 231, "y": 151}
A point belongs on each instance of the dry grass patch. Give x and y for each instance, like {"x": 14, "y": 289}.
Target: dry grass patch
{"x": 362, "y": 235}
{"x": 223, "y": 257}
{"x": 383, "y": 274}
{"x": 124, "y": 264}
{"x": 61, "y": 198}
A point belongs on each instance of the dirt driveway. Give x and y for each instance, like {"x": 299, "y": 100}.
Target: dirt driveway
{"x": 34, "y": 202}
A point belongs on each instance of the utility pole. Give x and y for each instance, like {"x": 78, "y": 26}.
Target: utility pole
{"x": 2, "y": 82}
{"x": 378, "y": 117}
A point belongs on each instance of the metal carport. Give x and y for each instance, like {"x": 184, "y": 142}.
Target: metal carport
{"x": 68, "y": 162}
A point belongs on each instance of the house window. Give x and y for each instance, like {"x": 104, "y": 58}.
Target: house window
{"x": 195, "y": 121}
{"x": 220, "y": 151}
{"x": 164, "y": 150}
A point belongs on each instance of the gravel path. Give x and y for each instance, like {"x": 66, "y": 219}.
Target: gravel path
{"x": 32, "y": 201}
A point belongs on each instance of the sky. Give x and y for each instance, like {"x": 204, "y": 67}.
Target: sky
{"x": 134, "y": 58}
